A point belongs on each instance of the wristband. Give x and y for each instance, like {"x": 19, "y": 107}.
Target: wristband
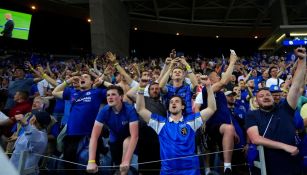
{"x": 91, "y": 161}
{"x": 65, "y": 83}
{"x": 188, "y": 67}
{"x": 32, "y": 69}
{"x": 189, "y": 71}
{"x": 141, "y": 90}
{"x": 44, "y": 75}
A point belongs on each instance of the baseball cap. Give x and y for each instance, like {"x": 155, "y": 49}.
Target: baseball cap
{"x": 42, "y": 117}
{"x": 275, "y": 88}
{"x": 230, "y": 93}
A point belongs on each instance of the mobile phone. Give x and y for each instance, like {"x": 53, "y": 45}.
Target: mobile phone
{"x": 173, "y": 54}
{"x": 232, "y": 52}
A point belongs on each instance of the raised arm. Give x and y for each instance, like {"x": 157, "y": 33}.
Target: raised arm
{"x": 299, "y": 76}
{"x": 227, "y": 76}
{"x": 190, "y": 73}
{"x": 282, "y": 69}
{"x": 247, "y": 76}
{"x": 47, "y": 77}
{"x": 28, "y": 64}
{"x": 166, "y": 75}
{"x": 95, "y": 66}
{"x": 140, "y": 102}
{"x": 101, "y": 81}
{"x": 167, "y": 64}
{"x": 58, "y": 90}
{"x": 209, "y": 111}
{"x": 131, "y": 94}
{"x": 112, "y": 57}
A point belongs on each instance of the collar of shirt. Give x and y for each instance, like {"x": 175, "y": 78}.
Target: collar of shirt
{"x": 170, "y": 119}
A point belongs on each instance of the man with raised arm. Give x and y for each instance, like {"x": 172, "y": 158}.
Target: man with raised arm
{"x": 177, "y": 132}
{"x": 219, "y": 126}
{"x": 178, "y": 86}
{"x": 85, "y": 103}
{"x": 272, "y": 125}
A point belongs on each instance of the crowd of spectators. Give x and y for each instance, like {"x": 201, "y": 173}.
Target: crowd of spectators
{"x": 107, "y": 110}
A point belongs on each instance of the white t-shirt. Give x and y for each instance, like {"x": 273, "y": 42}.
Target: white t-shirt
{"x": 273, "y": 81}
{"x": 41, "y": 85}
{"x": 199, "y": 99}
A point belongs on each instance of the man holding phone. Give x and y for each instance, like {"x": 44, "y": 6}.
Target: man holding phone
{"x": 177, "y": 86}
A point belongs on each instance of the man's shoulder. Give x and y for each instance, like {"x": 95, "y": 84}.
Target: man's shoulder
{"x": 128, "y": 106}
{"x": 253, "y": 113}
{"x": 105, "y": 108}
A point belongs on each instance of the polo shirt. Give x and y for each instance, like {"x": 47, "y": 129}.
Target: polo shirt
{"x": 177, "y": 139}
{"x": 118, "y": 122}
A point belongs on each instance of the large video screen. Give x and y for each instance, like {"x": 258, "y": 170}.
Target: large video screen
{"x": 14, "y": 24}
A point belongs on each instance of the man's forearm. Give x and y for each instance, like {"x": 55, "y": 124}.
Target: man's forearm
{"x": 92, "y": 149}
{"x": 269, "y": 143}
{"x": 132, "y": 145}
{"x": 211, "y": 98}
{"x": 164, "y": 79}
{"x": 226, "y": 78}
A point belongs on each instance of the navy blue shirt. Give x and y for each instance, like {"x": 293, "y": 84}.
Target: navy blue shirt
{"x": 222, "y": 113}
{"x": 281, "y": 129}
{"x": 118, "y": 123}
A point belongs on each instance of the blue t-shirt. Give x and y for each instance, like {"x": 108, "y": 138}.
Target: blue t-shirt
{"x": 242, "y": 104}
{"x": 59, "y": 106}
{"x": 177, "y": 139}
{"x": 84, "y": 108}
{"x": 257, "y": 80}
{"x": 118, "y": 123}
{"x": 183, "y": 91}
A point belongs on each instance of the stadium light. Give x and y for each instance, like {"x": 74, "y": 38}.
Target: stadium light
{"x": 177, "y": 34}
{"x": 280, "y": 38}
{"x": 298, "y": 34}
{"x": 135, "y": 28}
{"x": 89, "y": 20}
{"x": 256, "y": 37}
{"x": 33, "y": 7}
{"x": 217, "y": 36}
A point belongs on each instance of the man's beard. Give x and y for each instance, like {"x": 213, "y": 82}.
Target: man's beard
{"x": 267, "y": 108}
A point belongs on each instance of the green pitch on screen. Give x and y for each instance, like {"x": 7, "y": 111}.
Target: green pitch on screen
{"x": 22, "y": 23}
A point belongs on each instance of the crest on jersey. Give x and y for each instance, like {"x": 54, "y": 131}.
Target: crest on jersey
{"x": 184, "y": 131}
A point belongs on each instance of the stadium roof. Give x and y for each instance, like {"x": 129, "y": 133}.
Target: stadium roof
{"x": 226, "y": 18}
